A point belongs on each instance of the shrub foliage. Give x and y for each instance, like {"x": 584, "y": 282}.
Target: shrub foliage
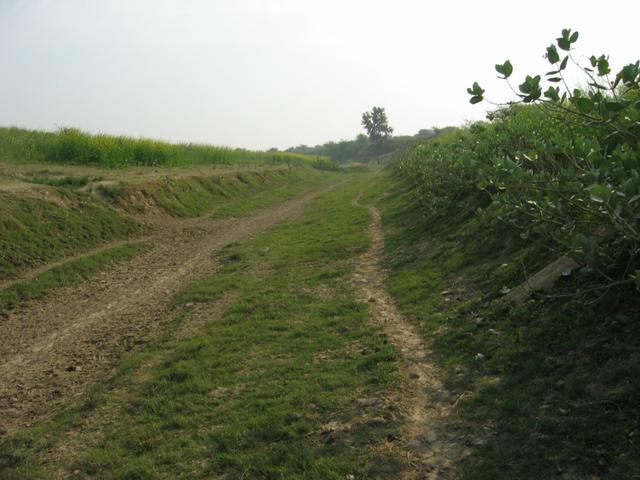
{"x": 561, "y": 165}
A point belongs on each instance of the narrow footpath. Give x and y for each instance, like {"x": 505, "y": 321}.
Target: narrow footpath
{"x": 429, "y": 450}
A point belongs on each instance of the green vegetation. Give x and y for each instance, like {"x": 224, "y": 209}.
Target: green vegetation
{"x": 564, "y": 172}
{"x": 70, "y": 146}
{"x": 69, "y": 181}
{"x": 272, "y": 370}
{"x": 34, "y": 231}
{"x": 546, "y": 388}
{"x": 270, "y": 191}
{"x": 376, "y": 124}
{"x": 356, "y": 167}
{"x": 67, "y": 274}
{"x": 365, "y": 150}
{"x": 281, "y": 377}
{"x": 226, "y": 193}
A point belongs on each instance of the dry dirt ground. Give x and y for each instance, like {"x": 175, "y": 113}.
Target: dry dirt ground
{"x": 428, "y": 444}
{"x": 53, "y": 350}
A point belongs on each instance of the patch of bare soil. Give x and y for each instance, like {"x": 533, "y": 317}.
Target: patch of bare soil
{"x": 53, "y": 350}
{"x": 428, "y": 446}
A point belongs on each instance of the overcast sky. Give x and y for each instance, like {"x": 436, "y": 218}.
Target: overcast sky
{"x": 265, "y": 73}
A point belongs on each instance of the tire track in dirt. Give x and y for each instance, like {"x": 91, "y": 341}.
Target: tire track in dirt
{"x": 53, "y": 350}
{"x": 428, "y": 448}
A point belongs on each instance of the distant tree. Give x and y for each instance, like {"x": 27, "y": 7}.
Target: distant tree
{"x": 427, "y": 132}
{"x": 363, "y": 149}
{"x": 376, "y": 124}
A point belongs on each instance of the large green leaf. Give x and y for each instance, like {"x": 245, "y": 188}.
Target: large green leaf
{"x": 475, "y": 90}
{"x": 615, "y": 107}
{"x": 505, "y": 69}
{"x": 564, "y": 44}
{"x": 598, "y": 193}
{"x": 563, "y": 65}
{"x": 603, "y": 66}
{"x": 552, "y": 54}
{"x": 553, "y": 94}
{"x": 584, "y": 104}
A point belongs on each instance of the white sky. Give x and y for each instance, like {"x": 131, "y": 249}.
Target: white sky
{"x": 259, "y": 74}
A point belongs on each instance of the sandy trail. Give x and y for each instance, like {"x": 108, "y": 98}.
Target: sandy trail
{"x": 53, "y": 350}
{"x": 424, "y": 402}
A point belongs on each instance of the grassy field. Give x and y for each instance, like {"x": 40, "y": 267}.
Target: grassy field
{"x": 276, "y": 374}
{"x": 73, "y": 147}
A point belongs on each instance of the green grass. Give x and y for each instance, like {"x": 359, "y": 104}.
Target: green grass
{"x": 70, "y": 146}
{"x": 554, "y": 394}
{"x": 67, "y": 274}
{"x": 286, "y": 382}
{"x": 226, "y": 194}
{"x": 69, "y": 181}
{"x": 276, "y": 189}
{"x": 34, "y": 231}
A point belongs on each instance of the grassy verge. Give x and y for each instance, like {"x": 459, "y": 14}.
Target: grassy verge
{"x": 226, "y": 194}
{"x": 70, "y": 273}
{"x": 287, "y": 382}
{"x": 547, "y": 390}
{"x": 277, "y": 189}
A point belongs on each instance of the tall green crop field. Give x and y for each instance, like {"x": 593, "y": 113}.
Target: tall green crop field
{"x": 70, "y": 146}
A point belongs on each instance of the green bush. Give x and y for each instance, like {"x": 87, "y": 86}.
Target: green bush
{"x": 561, "y": 167}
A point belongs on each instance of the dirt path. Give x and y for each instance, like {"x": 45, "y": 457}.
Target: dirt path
{"x": 53, "y": 350}
{"x": 429, "y": 449}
